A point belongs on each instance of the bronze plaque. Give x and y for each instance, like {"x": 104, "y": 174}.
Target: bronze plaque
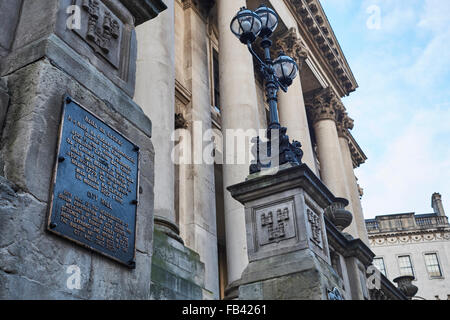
{"x": 95, "y": 185}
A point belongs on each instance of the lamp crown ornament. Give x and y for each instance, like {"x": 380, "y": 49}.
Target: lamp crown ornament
{"x": 278, "y": 74}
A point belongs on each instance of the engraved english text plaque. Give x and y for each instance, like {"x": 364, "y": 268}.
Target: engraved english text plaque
{"x": 95, "y": 185}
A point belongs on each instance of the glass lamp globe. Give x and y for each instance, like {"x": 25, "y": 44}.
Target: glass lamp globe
{"x": 246, "y": 25}
{"x": 285, "y": 69}
{"x": 269, "y": 20}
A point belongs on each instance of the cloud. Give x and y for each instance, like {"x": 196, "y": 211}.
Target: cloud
{"x": 433, "y": 65}
{"x": 402, "y": 108}
{"x": 416, "y": 164}
{"x": 435, "y": 15}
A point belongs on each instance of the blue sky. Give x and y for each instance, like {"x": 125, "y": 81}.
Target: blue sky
{"x": 402, "y": 106}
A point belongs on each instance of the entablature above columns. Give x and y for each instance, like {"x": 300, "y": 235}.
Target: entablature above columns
{"x": 316, "y": 30}
{"x": 358, "y": 156}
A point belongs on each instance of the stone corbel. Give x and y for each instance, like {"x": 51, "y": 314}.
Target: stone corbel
{"x": 144, "y": 10}
{"x": 183, "y": 99}
{"x": 180, "y": 121}
{"x": 312, "y": 17}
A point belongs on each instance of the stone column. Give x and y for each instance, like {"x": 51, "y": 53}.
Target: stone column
{"x": 156, "y": 64}
{"x": 238, "y": 104}
{"x": 323, "y": 110}
{"x": 198, "y": 206}
{"x": 177, "y": 272}
{"x": 291, "y": 105}
{"x": 358, "y": 215}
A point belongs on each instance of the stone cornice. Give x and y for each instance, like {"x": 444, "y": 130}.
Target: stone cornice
{"x": 416, "y": 236}
{"x": 346, "y": 247}
{"x": 182, "y": 93}
{"x": 316, "y": 29}
{"x": 202, "y": 7}
{"x": 144, "y": 10}
{"x": 358, "y": 156}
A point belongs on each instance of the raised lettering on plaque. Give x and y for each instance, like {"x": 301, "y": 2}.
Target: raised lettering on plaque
{"x": 95, "y": 183}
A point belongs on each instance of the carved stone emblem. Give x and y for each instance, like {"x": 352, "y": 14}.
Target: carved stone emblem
{"x": 315, "y": 227}
{"x": 101, "y": 29}
{"x": 275, "y": 225}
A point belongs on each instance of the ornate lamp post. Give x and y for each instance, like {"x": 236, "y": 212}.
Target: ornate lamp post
{"x": 279, "y": 73}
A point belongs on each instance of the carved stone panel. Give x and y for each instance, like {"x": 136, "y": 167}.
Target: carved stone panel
{"x": 275, "y": 223}
{"x": 315, "y": 227}
{"x": 101, "y": 29}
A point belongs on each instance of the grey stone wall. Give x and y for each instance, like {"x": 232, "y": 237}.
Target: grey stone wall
{"x": 177, "y": 273}
{"x": 299, "y": 275}
{"x": 33, "y": 263}
{"x": 4, "y": 104}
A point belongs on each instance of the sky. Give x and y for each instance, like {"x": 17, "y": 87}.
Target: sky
{"x": 399, "y": 52}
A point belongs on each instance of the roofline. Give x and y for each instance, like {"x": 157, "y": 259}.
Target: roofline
{"x": 320, "y": 38}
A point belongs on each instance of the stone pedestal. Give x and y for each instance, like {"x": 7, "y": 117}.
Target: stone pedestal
{"x": 44, "y": 60}
{"x": 286, "y": 236}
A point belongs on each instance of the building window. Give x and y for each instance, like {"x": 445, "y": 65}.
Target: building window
{"x": 432, "y": 263}
{"x": 215, "y": 80}
{"x": 379, "y": 264}
{"x": 406, "y": 268}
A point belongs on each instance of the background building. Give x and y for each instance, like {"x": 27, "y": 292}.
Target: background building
{"x": 416, "y": 245}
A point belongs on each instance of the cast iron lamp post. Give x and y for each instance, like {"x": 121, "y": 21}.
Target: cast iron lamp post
{"x": 247, "y": 25}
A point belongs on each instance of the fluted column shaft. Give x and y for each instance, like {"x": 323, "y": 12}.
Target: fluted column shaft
{"x": 239, "y": 111}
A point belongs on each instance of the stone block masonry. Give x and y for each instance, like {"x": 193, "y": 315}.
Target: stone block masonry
{"x": 177, "y": 273}
{"x": 34, "y": 263}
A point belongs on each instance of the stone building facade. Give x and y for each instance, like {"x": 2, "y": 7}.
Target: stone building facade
{"x": 207, "y": 82}
{"x": 416, "y": 245}
{"x": 191, "y": 195}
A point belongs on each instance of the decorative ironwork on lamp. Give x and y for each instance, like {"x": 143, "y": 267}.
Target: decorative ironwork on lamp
{"x": 278, "y": 74}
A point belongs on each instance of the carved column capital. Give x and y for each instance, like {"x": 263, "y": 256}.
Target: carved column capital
{"x": 343, "y": 124}
{"x": 322, "y": 106}
{"x": 327, "y": 105}
{"x": 293, "y": 46}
